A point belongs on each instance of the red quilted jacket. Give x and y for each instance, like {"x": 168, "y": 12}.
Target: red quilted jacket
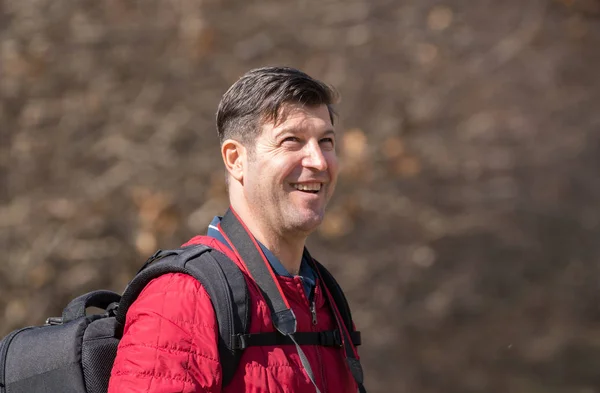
{"x": 170, "y": 342}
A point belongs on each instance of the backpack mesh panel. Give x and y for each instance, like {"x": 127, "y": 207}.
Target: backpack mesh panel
{"x": 97, "y": 358}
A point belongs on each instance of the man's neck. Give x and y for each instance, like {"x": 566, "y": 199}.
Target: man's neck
{"x": 288, "y": 253}
{"x": 287, "y": 248}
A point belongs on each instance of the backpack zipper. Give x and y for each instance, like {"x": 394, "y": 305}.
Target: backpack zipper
{"x": 3, "y": 353}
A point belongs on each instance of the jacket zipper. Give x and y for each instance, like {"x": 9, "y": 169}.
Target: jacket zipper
{"x": 312, "y": 307}
{"x": 313, "y": 310}
{"x": 3, "y": 354}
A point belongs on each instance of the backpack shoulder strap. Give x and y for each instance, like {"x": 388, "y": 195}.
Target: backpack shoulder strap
{"x": 228, "y": 291}
{"x": 224, "y": 283}
{"x": 344, "y": 309}
{"x": 340, "y": 301}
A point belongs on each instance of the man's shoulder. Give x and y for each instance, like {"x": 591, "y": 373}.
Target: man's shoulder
{"x": 176, "y": 283}
{"x": 205, "y": 240}
{"x": 181, "y": 282}
{"x": 211, "y": 242}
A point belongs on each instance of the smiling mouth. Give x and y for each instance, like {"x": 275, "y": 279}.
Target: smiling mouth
{"x": 311, "y": 188}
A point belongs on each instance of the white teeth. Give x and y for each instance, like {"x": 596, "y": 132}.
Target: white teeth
{"x": 308, "y": 186}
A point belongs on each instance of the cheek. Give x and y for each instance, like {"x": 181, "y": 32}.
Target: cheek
{"x": 285, "y": 166}
{"x": 333, "y": 165}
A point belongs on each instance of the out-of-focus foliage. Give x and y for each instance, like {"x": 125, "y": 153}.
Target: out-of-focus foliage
{"x": 466, "y": 224}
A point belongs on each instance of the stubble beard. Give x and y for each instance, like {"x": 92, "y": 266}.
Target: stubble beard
{"x": 302, "y": 221}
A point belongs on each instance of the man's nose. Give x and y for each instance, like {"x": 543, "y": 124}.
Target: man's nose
{"x": 314, "y": 157}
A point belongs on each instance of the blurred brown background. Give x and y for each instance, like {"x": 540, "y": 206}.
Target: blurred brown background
{"x": 466, "y": 224}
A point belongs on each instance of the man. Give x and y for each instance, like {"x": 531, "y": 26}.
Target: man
{"x": 278, "y": 144}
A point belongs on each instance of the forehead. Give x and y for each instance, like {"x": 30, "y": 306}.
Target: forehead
{"x": 296, "y": 117}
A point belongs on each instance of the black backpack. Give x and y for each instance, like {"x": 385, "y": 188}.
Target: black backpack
{"x": 74, "y": 353}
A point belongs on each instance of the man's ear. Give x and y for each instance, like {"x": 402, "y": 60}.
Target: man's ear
{"x": 234, "y": 157}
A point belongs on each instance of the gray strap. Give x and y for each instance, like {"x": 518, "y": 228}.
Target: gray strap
{"x": 305, "y": 363}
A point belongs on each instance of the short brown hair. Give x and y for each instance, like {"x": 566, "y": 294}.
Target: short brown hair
{"x": 259, "y": 95}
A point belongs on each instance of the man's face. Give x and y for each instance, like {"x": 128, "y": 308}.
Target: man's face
{"x": 292, "y": 170}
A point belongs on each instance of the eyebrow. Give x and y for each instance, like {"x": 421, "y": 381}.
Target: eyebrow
{"x": 329, "y": 131}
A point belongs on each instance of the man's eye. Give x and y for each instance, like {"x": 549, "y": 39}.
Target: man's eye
{"x": 327, "y": 140}
{"x": 291, "y": 139}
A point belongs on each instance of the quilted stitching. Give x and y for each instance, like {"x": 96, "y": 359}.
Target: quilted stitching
{"x": 183, "y": 342}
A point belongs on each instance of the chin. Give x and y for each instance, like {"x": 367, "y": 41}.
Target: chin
{"x": 308, "y": 223}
